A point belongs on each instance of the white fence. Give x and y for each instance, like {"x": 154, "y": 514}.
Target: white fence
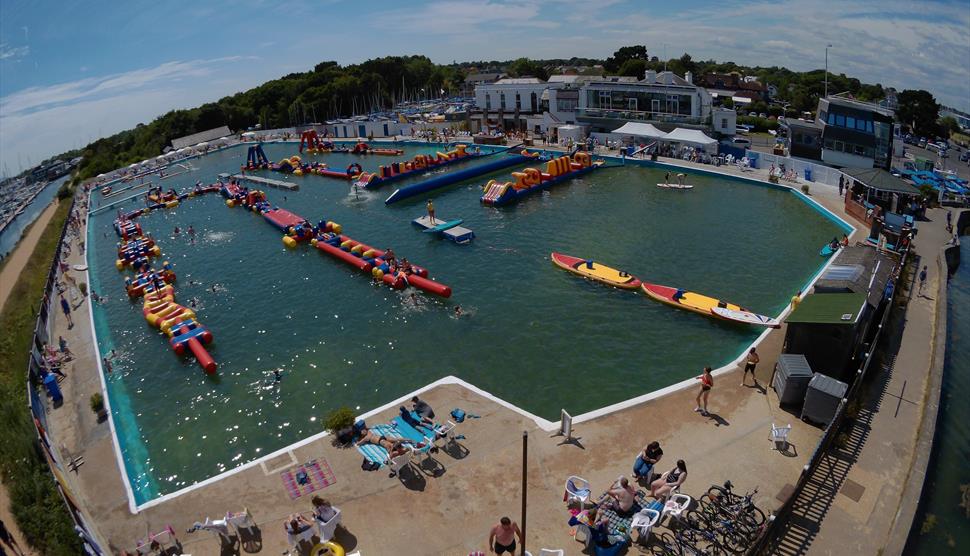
{"x": 820, "y": 174}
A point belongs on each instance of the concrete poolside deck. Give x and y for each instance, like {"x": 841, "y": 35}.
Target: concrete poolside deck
{"x": 451, "y": 513}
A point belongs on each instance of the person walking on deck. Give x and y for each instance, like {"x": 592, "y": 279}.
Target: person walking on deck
{"x": 750, "y": 362}
{"x": 922, "y": 280}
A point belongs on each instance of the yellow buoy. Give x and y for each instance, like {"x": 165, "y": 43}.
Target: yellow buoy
{"x": 230, "y": 203}
{"x": 289, "y": 242}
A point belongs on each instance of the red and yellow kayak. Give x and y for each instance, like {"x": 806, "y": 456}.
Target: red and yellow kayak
{"x": 707, "y": 306}
{"x": 596, "y": 271}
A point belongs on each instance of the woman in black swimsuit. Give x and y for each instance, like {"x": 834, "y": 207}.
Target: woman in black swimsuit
{"x": 670, "y": 480}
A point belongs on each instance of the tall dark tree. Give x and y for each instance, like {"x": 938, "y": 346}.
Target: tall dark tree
{"x": 624, "y": 53}
{"x": 918, "y": 110}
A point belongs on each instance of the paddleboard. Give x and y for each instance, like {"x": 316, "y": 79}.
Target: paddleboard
{"x": 746, "y": 317}
{"x": 827, "y": 250}
{"x": 675, "y": 186}
{"x": 691, "y": 301}
{"x": 445, "y": 226}
{"x": 596, "y": 271}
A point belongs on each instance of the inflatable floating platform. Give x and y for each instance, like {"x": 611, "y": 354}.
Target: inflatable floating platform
{"x": 448, "y": 229}
{"x": 532, "y": 180}
{"x": 418, "y": 165}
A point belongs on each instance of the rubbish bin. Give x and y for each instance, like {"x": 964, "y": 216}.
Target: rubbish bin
{"x": 808, "y": 174}
{"x": 791, "y": 377}
{"x": 53, "y": 389}
{"x": 822, "y": 398}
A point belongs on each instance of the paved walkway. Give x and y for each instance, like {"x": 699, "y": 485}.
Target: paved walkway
{"x": 447, "y": 506}
{"x": 851, "y": 504}
{"x": 18, "y": 258}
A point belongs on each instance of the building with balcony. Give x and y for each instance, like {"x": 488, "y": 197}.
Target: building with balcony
{"x": 855, "y": 134}
{"x": 528, "y": 103}
{"x": 662, "y": 99}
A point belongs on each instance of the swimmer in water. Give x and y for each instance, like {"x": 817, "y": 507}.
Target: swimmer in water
{"x": 457, "y": 311}
{"x": 277, "y": 375}
{"x": 413, "y": 299}
{"x": 176, "y": 230}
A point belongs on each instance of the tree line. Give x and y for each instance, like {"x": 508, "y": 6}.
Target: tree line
{"x": 331, "y": 91}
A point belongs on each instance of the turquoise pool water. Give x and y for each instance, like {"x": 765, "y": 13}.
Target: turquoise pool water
{"x": 532, "y": 334}
{"x": 940, "y": 526}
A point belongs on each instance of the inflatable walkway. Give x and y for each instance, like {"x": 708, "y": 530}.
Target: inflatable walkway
{"x": 531, "y": 180}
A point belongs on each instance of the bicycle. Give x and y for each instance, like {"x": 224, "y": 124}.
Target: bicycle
{"x": 724, "y": 501}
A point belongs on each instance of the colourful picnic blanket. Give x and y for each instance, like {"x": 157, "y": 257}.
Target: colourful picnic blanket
{"x": 319, "y": 475}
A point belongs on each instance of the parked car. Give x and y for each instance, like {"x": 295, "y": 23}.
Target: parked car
{"x": 741, "y": 142}
{"x": 921, "y": 143}
{"x": 965, "y": 156}
{"x": 741, "y": 130}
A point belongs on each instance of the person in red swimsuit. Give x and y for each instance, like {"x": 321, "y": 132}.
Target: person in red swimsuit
{"x": 707, "y": 382}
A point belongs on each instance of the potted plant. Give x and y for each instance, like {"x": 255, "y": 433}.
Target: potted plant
{"x": 97, "y": 406}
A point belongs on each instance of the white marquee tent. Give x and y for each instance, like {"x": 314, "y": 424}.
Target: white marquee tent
{"x": 638, "y": 129}
{"x": 690, "y": 136}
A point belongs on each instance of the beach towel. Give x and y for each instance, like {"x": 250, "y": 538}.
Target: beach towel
{"x": 317, "y": 473}
{"x": 373, "y": 452}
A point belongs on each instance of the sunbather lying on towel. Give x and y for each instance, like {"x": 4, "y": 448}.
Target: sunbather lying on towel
{"x": 394, "y": 447}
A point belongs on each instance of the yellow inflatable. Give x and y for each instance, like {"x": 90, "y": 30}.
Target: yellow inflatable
{"x": 328, "y": 548}
{"x": 289, "y": 242}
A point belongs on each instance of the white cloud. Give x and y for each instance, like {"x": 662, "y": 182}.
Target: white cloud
{"x": 41, "y": 121}
{"x": 91, "y": 88}
{"x": 15, "y": 52}
{"x": 467, "y": 18}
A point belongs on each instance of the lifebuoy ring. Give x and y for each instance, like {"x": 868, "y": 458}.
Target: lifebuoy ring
{"x": 352, "y": 167}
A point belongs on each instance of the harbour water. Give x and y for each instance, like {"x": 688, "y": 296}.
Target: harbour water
{"x": 530, "y": 333}
{"x": 942, "y": 524}
{"x": 12, "y": 233}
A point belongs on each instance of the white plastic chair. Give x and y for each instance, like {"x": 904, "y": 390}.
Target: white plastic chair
{"x": 328, "y": 529}
{"x": 240, "y": 520}
{"x": 446, "y": 432}
{"x": 297, "y": 538}
{"x": 396, "y": 464}
{"x": 643, "y": 522}
{"x": 779, "y": 435}
{"x": 218, "y": 526}
{"x": 577, "y": 488}
{"x": 676, "y": 505}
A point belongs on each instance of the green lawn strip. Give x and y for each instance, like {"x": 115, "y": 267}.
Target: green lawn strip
{"x": 35, "y": 502}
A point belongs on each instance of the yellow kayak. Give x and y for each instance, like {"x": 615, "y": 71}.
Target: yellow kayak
{"x": 596, "y": 271}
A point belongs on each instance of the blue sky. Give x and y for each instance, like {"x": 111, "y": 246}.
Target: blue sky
{"x": 72, "y": 71}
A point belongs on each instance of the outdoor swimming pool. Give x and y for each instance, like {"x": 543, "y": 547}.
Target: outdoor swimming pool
{"x": 532, "y": 334}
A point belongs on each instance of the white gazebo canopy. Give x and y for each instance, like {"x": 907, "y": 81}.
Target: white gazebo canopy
{"x": 202, "y": 144}
{"x": 640, "y": 130}
{"x": 691, "y": 136}
{"x": 184, "y": 150}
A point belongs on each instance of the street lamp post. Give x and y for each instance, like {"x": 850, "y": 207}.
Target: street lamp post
{"x": 827, "y": 47}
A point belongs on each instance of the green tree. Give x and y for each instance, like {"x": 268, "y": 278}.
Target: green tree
{"x": 949, "y": 125}
{"x": 919, "y": 110}
{"x": 525, "y": 67}
{"x": 633, "y": 67}
{"x": 636, "y": 52}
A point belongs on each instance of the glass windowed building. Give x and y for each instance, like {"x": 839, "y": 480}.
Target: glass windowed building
{"x": 855, "y": 134}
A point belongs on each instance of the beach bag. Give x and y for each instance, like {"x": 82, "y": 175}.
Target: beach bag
{"x": 458, "y": 415}
{"x": 370, "y": 465}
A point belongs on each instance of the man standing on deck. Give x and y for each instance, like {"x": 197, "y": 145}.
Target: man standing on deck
{"x": 430, "y": 207}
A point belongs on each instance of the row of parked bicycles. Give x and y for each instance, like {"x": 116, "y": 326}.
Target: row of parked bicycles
{"x": 720, "y": 523}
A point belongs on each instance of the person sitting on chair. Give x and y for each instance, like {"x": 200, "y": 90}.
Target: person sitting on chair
{"x": 296, "y": 524}
{"x": 670, "y": 480}
{"x": 323, "y": 510}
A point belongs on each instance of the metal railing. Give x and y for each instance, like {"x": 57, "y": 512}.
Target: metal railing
{"x": 638, "y": 115}
{"x": 776, "y": 526}
{"x": 35, "y": 401}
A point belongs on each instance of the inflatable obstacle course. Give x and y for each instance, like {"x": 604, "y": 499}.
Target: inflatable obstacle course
{"x": 135, "y": 252}
{"x": 532, "y": 180}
